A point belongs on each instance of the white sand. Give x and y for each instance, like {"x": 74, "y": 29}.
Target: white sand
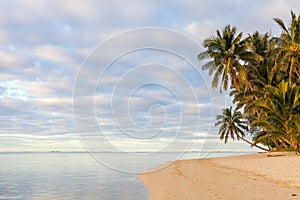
{"x": 258, "y": 176}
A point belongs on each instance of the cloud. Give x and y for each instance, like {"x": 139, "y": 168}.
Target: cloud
{"x": 10, "y": 60}
{"x": 52, "y": 53}
{"x": 13, "y": 89}
{"x": 44, "y": 45}
{"x": 3, "y": 36}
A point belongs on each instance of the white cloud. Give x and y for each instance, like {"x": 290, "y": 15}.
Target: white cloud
{"x": 52, "y": 53}
{"x": 44, "y": 42}
{"x": 10, "y": 60}
{"x": 13, "y": 89}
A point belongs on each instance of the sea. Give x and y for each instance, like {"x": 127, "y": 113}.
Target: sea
{"x": 83, "y": 175}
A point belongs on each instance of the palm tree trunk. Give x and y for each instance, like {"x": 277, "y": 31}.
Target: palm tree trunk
{"x": 291, "y": 70}
{"x": 254, "y": 144}
{"x": 276, "y": 143}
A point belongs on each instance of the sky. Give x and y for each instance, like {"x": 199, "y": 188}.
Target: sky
{"x": 116, "y": 76}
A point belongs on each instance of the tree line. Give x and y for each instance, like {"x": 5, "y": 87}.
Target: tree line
{"x": 261, "y": 73}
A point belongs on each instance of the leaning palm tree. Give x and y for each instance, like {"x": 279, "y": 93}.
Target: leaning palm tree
{"x": 233, "y": 125}
{"x": 226, "y": 51}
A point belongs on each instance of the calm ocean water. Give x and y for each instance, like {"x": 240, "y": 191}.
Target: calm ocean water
{"x": 67, "y": 176}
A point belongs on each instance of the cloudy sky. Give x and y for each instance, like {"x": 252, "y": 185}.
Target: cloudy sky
{"x": 88, "y": 74}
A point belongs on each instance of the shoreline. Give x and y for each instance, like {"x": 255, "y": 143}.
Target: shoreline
{"x": 253, "y": 176}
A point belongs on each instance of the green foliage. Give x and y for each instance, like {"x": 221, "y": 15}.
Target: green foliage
{"x": 232, "y": 124}
{"x": 263, "y": 76}
{"x": 227, "y": 50}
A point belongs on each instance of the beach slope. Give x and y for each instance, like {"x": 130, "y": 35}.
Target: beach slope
{"x": 256, "y": 176}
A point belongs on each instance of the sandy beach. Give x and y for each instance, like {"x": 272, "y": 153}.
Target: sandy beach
{"x": 255, "y": 176}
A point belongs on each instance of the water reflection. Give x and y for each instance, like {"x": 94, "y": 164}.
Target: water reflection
{"x": 67, "y": 176}
{"x": 64, "y": 176}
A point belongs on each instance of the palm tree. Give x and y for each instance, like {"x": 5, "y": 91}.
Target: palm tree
{"x": 227, "y": 51}
{"x": 281, "y": 119}
{"x": 261, "y": 70}
{"x": 233, "y": 125}
{"x": 257, "y": 69}
{"x": 263, "y": 75}
{"x": 289, "y": 46}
